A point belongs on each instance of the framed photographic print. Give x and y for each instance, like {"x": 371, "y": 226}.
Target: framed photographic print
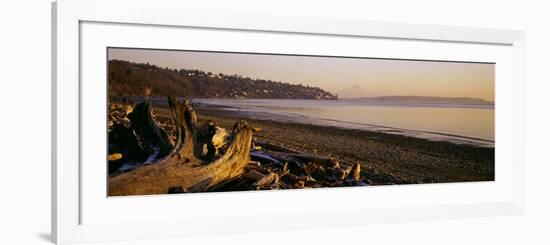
{"x": 172, "y": 125}
{"x": 344, "y": 121}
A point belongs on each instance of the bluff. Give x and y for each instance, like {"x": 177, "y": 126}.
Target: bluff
{"x": 128, "y": 78}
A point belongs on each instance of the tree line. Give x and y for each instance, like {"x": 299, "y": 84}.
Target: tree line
{"x": 138, "y": 79}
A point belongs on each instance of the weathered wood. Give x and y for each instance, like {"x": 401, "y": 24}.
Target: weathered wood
{"x": 123, "y": 141}
{"x": 253, "y": 175}
{"x": 266, "y": 181}
{"x": 283, "y": 185}
{"x": 259, "y": 169}
{"x": 153, "y": 141}
{"x": 185, "y": 120}
{"x": 295, "y": 178}
{"x": 355, "y": 173}
{"x": 204, "y": 157}
{"x": 219, "y": 139}
{"x": 185, "y": 166}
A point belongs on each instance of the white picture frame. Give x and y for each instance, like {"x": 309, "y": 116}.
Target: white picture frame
{"x": 68, "y": 17}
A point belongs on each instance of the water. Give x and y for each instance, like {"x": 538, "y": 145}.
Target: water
{"x": 471, "y": 124}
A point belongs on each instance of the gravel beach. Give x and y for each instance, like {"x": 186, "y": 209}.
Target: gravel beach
{"x": 385, "y": 158}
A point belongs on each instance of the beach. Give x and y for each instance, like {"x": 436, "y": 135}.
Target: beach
{"x": 385, "y": 158}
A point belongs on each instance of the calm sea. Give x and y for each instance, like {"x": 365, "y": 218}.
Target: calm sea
{"x": 449, "y": 122}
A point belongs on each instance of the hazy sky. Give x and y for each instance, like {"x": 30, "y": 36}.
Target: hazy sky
{"x": 374, "y": 77}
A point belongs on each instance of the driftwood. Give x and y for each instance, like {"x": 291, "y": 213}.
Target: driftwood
{"x": 300, "y": 170}
{"x": 153, "y": 141}
{"x": 134, "y": 137}
{"x": 204, "y": 157}
{"x": 266, "y": 180}
{"x": 190, "y": 165}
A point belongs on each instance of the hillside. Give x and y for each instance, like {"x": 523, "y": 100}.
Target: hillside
{"x": 127, "y": 78}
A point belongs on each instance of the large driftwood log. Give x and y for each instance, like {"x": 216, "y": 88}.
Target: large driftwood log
{"x": 188, "y": 166}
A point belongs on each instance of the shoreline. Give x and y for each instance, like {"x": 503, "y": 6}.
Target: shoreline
{"x": 327, "y": 122}
{"x": 284, "y": 117}
{"x": 385, "y": 158}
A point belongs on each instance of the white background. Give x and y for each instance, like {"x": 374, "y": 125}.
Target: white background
{"x": 25, "y": 81}
{"x": 96, "y": 209}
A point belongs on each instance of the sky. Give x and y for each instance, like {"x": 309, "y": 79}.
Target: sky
{"x": 347, "y": 77}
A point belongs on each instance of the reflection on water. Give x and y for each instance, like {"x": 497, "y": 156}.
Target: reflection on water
{"x": 476, "y": 121}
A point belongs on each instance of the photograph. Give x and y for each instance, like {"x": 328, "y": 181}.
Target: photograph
{"x": 188, "y": 121}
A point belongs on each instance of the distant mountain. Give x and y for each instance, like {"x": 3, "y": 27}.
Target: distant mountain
{"x": 128, "y": 78}
{"x": 354, "y": 91}
{"x": 428, "y": 99}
